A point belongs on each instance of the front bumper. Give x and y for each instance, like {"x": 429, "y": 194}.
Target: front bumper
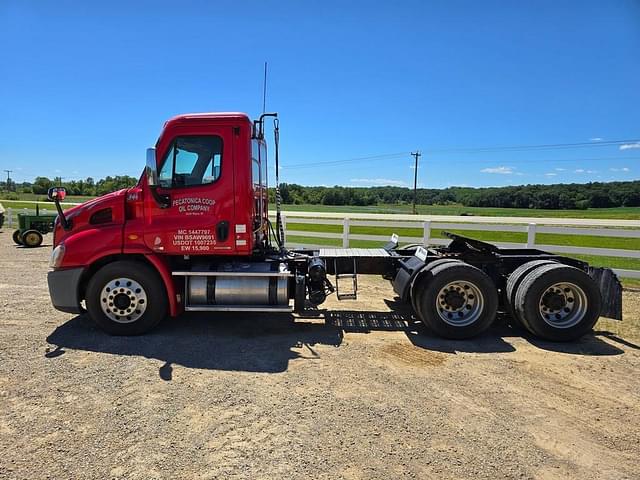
{"x": 64, "y": 288}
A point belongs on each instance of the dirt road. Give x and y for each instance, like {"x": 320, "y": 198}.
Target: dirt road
{"x": 349, "y": 395}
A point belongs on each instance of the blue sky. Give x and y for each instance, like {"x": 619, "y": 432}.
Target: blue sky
{"x": 86, "y": 86}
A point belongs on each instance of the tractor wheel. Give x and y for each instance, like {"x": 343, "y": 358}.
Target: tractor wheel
{"x": 459, "y": 301}
{"x": 32, "y": 238}
{"x": 126, "y": 298}
{"x": 17, "y": 237}
{"x": 514, "y": 281}
{"x": 558, "y": 302}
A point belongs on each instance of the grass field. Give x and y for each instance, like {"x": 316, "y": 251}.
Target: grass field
{"x": 622, "y": 213}
{"x": 27, "y": 202}
{"x": 488, "y": 236}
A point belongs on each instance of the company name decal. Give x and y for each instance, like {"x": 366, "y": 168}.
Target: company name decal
{"x": 193, "y": 205}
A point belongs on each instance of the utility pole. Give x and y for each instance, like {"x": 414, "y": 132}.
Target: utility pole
{"x": 416, "y": 154}
{"x": 8, "y": 172}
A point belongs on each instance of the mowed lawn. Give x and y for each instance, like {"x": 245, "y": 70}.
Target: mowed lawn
{"x": 621, "y": 213}
{"x": 488, "y": 236}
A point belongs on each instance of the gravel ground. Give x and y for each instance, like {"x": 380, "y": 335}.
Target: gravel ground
{"x": 348, "y": 394}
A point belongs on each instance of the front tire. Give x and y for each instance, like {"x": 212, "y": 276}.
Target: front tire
{"x": 558, "y": 302}
{"x": 126, "y": 298}
{"x": 459, "y": 301}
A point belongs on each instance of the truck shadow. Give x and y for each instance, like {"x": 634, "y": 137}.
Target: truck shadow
{"x": 251, "y": 342}
{"x": 266, "y": 343}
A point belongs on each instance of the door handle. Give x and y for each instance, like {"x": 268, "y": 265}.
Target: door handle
{"x": 222, "y": 231}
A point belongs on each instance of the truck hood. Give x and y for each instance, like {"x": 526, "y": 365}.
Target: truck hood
{"x": 81, "y": 216}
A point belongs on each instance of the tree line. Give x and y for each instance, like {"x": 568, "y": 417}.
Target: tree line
{"x": 87, "y": 187}
{"x": 555, "y": 197}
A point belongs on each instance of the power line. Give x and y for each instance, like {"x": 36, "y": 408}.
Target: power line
{"x": 386, "y": 156}
{"x": 546, "y": 160}
{"x": 522, "y": 148}
{"x": 510, "y": 148}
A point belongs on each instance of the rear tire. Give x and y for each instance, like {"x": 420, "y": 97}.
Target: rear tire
{"x": 558, "y": 302}
{"x": 31, "y": 238}
{"x": 17, "y": 237}
{"x": 514, "y": 281}
{"x": 459, "y": 301}
{"x": 126, "y": 298}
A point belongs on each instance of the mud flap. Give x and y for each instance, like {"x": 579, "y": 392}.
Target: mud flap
{"x": 611, "y": 290}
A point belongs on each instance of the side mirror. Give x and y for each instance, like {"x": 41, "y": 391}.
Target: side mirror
{"x": 56, "y": 193}
{"x": 151, "y": 168}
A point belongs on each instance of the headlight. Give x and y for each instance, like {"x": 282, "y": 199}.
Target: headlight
{"x": 56, "y": 256}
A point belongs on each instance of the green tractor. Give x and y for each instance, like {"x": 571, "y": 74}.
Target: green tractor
{"x": 32, "y": 228}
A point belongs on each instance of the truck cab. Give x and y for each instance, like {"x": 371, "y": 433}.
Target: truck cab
{"x": 208, "y": 199}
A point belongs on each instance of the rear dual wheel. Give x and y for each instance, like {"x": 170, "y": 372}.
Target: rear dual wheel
{"x": 456, "y": 300}
{"x": 557, "y": 302}
{"x": 514, "y": 281}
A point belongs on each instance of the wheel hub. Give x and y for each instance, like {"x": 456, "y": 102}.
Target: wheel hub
{"x": 563, "y": 305}
{"x": 454, "y": 299}
{"x": 459, "y": 303}
{"x": 123, "y": 300}
{"x": 554, "y": 300}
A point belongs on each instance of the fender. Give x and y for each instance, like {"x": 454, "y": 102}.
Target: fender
{"x": 175, "y": 305}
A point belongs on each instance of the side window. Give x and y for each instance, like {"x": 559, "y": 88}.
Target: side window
{"x": 255, "y": 163}
{"x": 192, "y": 160}
{"x": 263, "y": 163}
{"x": 258, "y": 163}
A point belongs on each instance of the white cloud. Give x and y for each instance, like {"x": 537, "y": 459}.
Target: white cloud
{"x": 582, "y": 170}
{"x": 596, "y": 139}
{"x": 499, "y": 170}
{"x": 560, "y": 169}
{"x": 550, "y": 174}
{"x": 379, "y": 182}
{"x": 579, "y": 170}
{"x": 629, "y": 146}
{"x": 623, "y": 169}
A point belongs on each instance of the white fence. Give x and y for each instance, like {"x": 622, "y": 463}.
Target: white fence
{"x": 472, "y": 224}
{"x": 597, "y": 228}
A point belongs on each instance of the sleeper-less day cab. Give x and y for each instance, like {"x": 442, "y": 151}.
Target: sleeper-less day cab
{"x": 194, "y": 235}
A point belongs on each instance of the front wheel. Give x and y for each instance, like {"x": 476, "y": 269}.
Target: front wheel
{"x": 17, "y": 237}
{"x": 459, "y": 301}
{"x": 126, "y": 298}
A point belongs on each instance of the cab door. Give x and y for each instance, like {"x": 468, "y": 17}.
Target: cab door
{"x": 196, "y": 174}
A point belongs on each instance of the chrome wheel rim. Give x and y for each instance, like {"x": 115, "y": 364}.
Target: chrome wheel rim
{"x": 459, "y": 303}
{"x": 563, "y": 305}
{"x": 123, "y": 300}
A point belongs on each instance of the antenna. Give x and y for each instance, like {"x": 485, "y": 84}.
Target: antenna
{"x": 264, "y": 89}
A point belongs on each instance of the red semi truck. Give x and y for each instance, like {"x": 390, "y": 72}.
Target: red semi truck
{"x": 194, "y": 235}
